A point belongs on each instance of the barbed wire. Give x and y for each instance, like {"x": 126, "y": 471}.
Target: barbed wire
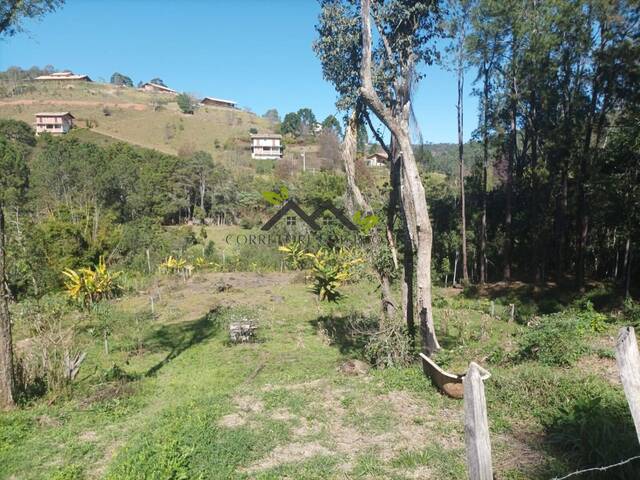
{"x": 598, "y": 469}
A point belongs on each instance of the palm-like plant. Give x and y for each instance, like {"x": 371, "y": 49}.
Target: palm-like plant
{"x": 295, "y": 255}
{"x": 90, "y": 285}
{"x": 331, "y": 270}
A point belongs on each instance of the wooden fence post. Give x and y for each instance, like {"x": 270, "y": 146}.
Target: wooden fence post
{"x": 476, "y": 426}
{"x": 493, "y": 308}
{"x": 628, "y": 359}
{"x": 513, "y": 312}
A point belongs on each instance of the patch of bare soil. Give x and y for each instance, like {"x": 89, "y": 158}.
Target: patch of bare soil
{"x": 245, "y": 407}
{"x": 413, "y": 427}
{"x": 233, "y": 420}
{"x": 88, "y": 436}
{"x": 602, "y": 367}
{"x": 290, "y": 453}
{"x": 522, "y": 450}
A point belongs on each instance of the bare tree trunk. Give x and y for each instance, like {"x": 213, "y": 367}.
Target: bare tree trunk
{"x": 627, "y": 283}
{"x": 412, "y": 191}
{"x": 507, "y": 222}
{"x": 7, "y": 382}
{"x": 562, "y": 223}
{"x": 482, "y": 253}
{"x": 463, "y": 226}
{"x": 356, "y": 201}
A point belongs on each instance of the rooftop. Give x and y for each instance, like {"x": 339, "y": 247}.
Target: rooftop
{"x": 161, "y": 87}
{"x": 266, "y": 135}
{"x": 218, "y": 100}
{"x": 63, "y": 76}
{"x": 53, "y": 114}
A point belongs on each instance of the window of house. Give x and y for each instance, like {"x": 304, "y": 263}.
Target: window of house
{"x": 291, "y": 220}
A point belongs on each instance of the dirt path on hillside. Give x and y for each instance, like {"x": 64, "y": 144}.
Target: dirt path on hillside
{"x": 80, "y": 103}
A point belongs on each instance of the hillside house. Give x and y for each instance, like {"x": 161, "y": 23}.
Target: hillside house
{"x": 154, "y": 87}
{"x": 378, "y": 159}
{"x": 266, "y": 146}
{"x": 55, "y": 123}
{"x": 65, "y": 76}
{"x": 218, "y": 102}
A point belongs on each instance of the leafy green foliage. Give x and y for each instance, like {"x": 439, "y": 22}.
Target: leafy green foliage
{"x": 17, "y": 131}
{"x": 331, "y": 269}
{"x": 89, "y": 286}
{"x": 595, "y": 430}
{"x": 291, "y": 125}
{"x": 276, "y": 198}
{"x": 121, "y": 80}
{"x": 555, "y": 339}
{"x": 186, "y": 103}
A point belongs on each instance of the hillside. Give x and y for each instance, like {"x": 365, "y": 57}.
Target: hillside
{"x": 141, "y": 118}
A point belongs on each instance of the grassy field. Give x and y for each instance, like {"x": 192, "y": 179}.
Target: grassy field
{"x": 174, "y": 400}
{"x": 128, "y": 114}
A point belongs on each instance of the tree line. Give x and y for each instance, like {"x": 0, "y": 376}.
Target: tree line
{"x": 552, "y": 192}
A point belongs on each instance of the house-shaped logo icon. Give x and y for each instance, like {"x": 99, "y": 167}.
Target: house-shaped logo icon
{"x": 290, "y": 207}
{"x": 319, "y": 212}
{"x": 291, "y": 211}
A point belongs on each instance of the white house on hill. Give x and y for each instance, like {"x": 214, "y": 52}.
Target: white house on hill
{"x": 64, "y": 76}
{"x": 378, "y": 159}
{"x": 154, "y": 87}
{"x": 55, "y": 123}
{"x": 266, "y": 146}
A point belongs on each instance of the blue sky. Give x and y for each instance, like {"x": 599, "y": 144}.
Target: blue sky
{"x": 215, "y": 48}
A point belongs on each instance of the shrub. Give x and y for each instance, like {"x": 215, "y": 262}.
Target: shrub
{"x": 590, "y": 319}
{"x": 40, "y": 362}
{"x": 90, "y": 285}
{"x": 555, "y": 339}
{"x": 389, "y": 346}
{"x": 331, "y": 269}
{"x": 631, "y": 312}
{"x": 186, "y": 103}
{"x": 595, "y": 431}
{"x": 295, "y": 255}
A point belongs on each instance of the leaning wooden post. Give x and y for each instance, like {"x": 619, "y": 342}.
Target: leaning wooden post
{"x": 476, "y": 426}
{"x": 628, "y": 360}
{"x": 513, "y": 312}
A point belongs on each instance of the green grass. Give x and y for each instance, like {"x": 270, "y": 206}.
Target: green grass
{"x": 181, "y": 402}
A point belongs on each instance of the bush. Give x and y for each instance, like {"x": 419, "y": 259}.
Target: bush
{"x": 40, "y": 363}
{"x": 631, "y": 312}
{"x": 90, "y": 285}
{"x": 186, "y": 103}
{"x": 555, "y": 339}
{"x": 596, "y": 431}
{"x": 331, "y": 269}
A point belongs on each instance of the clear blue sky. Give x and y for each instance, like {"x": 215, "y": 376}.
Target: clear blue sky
{"x": 214, "y": 48}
